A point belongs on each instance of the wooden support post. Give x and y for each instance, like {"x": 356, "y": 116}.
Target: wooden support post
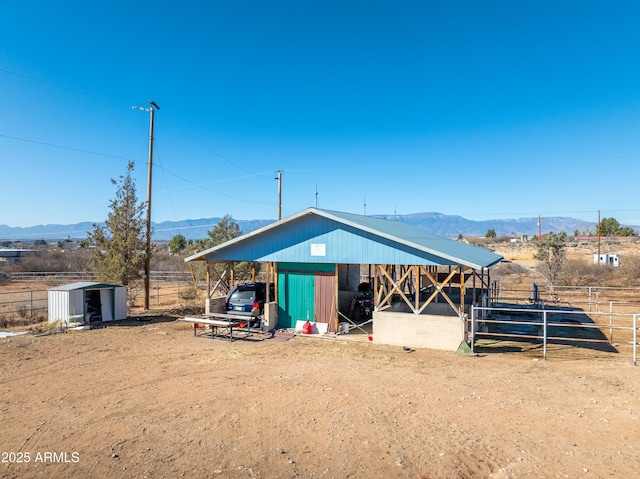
{"x": 462, "y": 289}
{"x": 416, "y": 299}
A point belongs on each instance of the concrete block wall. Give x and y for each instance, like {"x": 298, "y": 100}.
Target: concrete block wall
{"x": 270, "y": 317}
{"x": 418, "y": 331}
{"x": 214, "y": 305}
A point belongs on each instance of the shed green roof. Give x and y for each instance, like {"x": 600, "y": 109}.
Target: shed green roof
{"x": 83, "y": 285}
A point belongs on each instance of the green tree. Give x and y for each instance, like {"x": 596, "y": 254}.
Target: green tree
{"x": 625, "y": 231}
{"x": 120, "y": 244}
{"x": 227, "y": 229}
{"x": 551, "y": 256}
{"x": 611, "y": 227}
{"x": 491, "y": 233}
{"x": 177, "y": 243}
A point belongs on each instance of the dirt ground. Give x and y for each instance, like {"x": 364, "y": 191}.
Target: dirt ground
{"x": 147, "y": 399}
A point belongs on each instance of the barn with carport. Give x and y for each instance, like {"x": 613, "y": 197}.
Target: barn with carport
{"x": 423, "y": 284}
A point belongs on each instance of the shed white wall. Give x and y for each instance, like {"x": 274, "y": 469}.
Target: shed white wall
{"x": 77, "y": 302}
{"x": 58, "y": 306}
{"x": 106, "y": 304}
{"x": 63, "y": 305}
{"x": 120, "y": 303}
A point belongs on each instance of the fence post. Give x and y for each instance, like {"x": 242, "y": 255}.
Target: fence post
{"x": 610, "y": 322}
{"x": 635, "y": 339}
{"x": 473, "y": 327}
{"x": 544, "y": 334}
{"x": 31, "y": 304}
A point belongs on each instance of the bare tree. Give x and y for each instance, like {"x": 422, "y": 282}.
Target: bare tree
{"x": 551, "y": 257}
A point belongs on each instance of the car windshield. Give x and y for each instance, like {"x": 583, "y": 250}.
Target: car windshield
{"x": 244, "y": 295}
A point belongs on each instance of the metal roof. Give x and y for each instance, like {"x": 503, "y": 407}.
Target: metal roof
{"x": 322, "y": 236}
{"x": 83, "y": 285}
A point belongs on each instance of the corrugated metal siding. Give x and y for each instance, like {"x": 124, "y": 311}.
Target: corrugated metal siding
{"x": 295, "y": 298}
{"x": 77, "y": 303}
{"x": 304, "y": 241}
{"x": 325, "y": 300}
{"x": 106, "y": 304}
{"x": 58, "y": 306}
{"x": 120, "y": 307}
{"x": 306, "y": 292}
{"x": 63, "y": 303}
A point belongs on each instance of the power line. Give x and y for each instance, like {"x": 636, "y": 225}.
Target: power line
{"x": 205, "y": 146}
{"x": 89, "y": 152}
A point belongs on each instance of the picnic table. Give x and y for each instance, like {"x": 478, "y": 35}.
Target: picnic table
{"x": 220, "y": 322}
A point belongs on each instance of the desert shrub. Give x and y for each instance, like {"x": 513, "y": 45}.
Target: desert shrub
{"x": 53, "y": 261}
{"x": 509, "y": 268}
{"x": 23, "y": 311}
{"x": 188, "y": 294}
{"x": 163, "y": 261}
{"x": 134, "y": 290}
{"x": 629, "y": 271}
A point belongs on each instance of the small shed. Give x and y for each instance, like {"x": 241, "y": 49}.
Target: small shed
{"x": 87, "y": 302}
{"x": 608, "y": 259}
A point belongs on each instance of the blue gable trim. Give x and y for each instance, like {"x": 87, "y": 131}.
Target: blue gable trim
{"x": 321, "y": 240}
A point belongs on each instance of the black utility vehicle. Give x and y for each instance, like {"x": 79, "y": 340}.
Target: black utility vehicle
{"x": 247, "y": 299}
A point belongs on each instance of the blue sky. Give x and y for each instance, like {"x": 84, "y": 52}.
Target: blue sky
{"x": 478, "y": 109}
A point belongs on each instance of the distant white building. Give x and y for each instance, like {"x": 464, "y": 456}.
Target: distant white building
{"x": 607, "y": 259}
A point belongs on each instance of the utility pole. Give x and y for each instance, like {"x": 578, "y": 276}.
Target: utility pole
{"x": 598, "y": 233}
{"x": 539, "y": 229}
{"x": 364, "y": 207}
{"x": 279, "y": 178}
{"x": 147, "y": 254}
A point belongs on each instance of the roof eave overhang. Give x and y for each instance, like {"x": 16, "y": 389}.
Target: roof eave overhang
{"x": 203, "y": 256}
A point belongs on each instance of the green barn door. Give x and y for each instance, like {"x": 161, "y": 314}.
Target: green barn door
{"x": 295, "y": 298}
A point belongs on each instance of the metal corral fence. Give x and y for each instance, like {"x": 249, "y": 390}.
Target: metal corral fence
{"x": 594, "y": 295}
{"x": 508, "y": 327}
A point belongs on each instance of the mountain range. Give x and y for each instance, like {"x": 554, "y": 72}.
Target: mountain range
{"x": 445, "y": 225}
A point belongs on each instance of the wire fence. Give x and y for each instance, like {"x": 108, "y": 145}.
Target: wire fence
{"x": 63, "y": 277}
{"x": 25, "y": 306}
